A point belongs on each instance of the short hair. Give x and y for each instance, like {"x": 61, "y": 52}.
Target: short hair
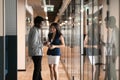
{"x": 110, "y": 19}
{"x": 38, "y": 20}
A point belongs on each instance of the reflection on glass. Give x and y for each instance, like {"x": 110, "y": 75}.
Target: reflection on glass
{"x": 111, "y": 47}
{"x": 104, "y": 42}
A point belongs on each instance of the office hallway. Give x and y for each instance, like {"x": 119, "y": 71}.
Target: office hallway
{"x": 27, "y": 75}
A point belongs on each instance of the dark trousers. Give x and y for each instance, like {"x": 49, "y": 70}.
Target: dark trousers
{"x": 37, "y": 67}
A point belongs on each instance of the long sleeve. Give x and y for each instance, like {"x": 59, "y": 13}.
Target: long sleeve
{"x": 35, "y": 44}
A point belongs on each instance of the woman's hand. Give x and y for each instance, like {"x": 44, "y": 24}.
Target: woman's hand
{"x": 97, "y": 46}
{"x": 47, "y": 44}
{"x": 52, "y": 46}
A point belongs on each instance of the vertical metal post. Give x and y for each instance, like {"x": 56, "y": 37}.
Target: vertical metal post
{"x": 119, "y": 42}
{"x": 81, "y": 37}
{"x": 5, "y": 63}
{"x": 92, "y": 35}
{"x": 107, "y": 72}
{"x": 72, "y": 38}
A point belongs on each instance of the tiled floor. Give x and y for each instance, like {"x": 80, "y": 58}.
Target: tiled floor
{"x": 27, "y": 75}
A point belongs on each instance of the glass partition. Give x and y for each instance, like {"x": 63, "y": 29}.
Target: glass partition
{"x": 71, "y": 31}
{"x": 95, "y": 58}
{"x": 110, "y": 27}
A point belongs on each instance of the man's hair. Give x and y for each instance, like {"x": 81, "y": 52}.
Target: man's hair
{"x": 38, "y": 19}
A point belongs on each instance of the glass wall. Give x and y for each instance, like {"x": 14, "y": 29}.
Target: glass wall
{"x": 71, "y": 29}
{"x": 91, "y": 32}
{"x": 110, "y": 27}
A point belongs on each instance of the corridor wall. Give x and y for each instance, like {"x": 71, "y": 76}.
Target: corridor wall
{"x": 2, "y": 68}
{"x": 11, "y": 37}
{"x": 83, "y": 15}
{"x": 21, "y": 22}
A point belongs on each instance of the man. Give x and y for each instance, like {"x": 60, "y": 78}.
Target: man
{"x": 35, "y": 46}
{"x": 112, "y": 48}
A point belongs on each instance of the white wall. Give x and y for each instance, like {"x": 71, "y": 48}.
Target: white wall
{"x": 2, "y": 66}
{"x": 21, "y": 18}
{"x": 10, "y": 17}
{"x": 1, "y": 18}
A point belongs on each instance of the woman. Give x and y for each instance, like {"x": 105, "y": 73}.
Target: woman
{"x": 91, "y": 43}
{"x": 55, "y": 42}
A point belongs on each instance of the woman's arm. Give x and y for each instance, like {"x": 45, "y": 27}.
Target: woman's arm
{"x": 86, "y": 43}
{"x": 47, "y": 42}
{"x": 61, "y": 45}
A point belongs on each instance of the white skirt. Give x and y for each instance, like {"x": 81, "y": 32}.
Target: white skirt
{"x": 53, "y": 59}
{"x": 94, "y": 59}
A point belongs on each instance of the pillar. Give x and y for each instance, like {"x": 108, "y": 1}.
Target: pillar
{"x": 21, "y": 20}
{"x": 2, "y": 68}
{"x": 11, "y": 37}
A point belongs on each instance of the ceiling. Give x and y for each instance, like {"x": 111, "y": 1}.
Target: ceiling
{"x": 38, "y": 8}
{"x": 59, "y": 7}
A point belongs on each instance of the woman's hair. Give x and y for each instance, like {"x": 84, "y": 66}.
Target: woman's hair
{"x": 57, "y": 27}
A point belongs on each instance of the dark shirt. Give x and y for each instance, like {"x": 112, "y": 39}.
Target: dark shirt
{"x": 56, "y": 41}
{"x": 93, "y": 39}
